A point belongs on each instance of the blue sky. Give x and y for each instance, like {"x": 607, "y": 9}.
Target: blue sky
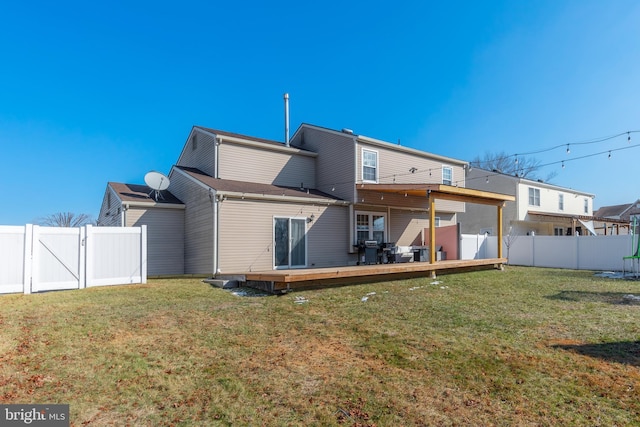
{"x": 92, "y": 92}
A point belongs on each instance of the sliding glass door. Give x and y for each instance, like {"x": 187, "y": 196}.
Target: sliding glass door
{"x": 290, "y": 242}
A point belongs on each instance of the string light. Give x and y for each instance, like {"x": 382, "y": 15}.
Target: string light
{"x": 568, "y": 149}
{"x": 563, "y": 164}
{"x": 609, "y": 154}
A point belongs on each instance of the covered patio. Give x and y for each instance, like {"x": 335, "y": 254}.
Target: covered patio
{"x": 278, "y": 281}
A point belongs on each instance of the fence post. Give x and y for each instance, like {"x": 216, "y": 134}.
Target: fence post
{"x": 88, "y": 256}
{"x": 577, "y": 252}
{"x": 82, "y": 254}
{"x": 28, "y": 262}
{"x": 533, "y": 249}
{"x": 143, "y": 253}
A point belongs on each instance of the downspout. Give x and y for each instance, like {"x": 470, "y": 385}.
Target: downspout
{"x": 354, "y": 198}
{"x": 123, "y": 215}
{"x": 215, "y": 238}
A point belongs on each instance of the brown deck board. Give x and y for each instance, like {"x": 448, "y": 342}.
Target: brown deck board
{"x": 301, "y": 278}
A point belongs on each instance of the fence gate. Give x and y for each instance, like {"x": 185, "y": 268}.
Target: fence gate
{"x": 57, "y": 258}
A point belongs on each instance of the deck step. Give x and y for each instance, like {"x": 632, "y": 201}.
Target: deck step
{"x": 223, "y": 283}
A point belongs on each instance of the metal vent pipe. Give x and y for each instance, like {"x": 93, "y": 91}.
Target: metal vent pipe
{"x": 286, "y": 119}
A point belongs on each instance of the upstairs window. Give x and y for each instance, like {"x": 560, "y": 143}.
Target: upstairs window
{"x": 534, "y": 196}
{"x": 369, "y": 165}
{"x": 586, "y": 206}
{"x": 560, "y": 202}
{"x": 447, "y": 175}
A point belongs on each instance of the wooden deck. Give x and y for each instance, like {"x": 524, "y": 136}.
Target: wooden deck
{"x": 278, "y": 281}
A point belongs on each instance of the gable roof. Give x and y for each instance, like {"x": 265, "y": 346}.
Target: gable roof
{"x": 624, "y": 211}
{"x": 612, "y": 211}
{"x": 137, "y": 193}
{"x": 233, "y": 187}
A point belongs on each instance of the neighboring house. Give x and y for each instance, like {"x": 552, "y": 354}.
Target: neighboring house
{"x": 623, "y": 217}
{"x": 540, "y": 208}
{"x": 130, "y": 205}
{"x": 252, "y": 204}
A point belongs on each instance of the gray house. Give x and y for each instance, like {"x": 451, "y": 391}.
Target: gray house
{"x": 130, "y": 205}
{"x": 250, "y": 204}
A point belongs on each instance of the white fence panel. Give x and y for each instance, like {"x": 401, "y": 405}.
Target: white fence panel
{"x": 58, "y": 258}
{"x": 555, "y": 251}
{"x": 36, "y": 259}
{"x": 475, "y": 246}
{"x": 572, "y": 252}
{"x": 116, "y": 255}
{"x": 12, "y": 259}
{"x": 603, "y": 252}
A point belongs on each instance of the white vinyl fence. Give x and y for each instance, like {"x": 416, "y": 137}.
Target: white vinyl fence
{"x": 37, "y": 259}
{"x": 572, "y": 252}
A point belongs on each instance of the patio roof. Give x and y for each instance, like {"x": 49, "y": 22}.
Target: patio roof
{"x": 432, "y": 192}
{"x": 442, "y": 191}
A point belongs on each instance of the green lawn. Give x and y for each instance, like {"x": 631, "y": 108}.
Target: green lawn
{"x": 524, "y": 346}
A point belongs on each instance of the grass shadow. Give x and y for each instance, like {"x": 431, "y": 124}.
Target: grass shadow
{"x": 626, "y": 352}
{"x": 620, "y": 298}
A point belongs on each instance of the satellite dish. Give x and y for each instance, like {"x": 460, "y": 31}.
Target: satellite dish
{"x": 157, "y": 182}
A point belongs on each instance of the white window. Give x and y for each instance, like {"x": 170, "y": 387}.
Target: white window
{"x": 534, "y": 196}
{"x": 369, "y": 165}
{"x": 586, "y": 206}
{"x": 436, "y": 221}
{"x": 560, "y": 202}
{"x": 370, "y": 226}
{"x": 447, "y": 175}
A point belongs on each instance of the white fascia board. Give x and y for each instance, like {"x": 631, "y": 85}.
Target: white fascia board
{"x": 190, "y": 178}
{"x": 412, "y": 151}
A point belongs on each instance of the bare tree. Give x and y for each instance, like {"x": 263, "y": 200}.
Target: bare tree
{"x": 524, "y": 167}
{"x": 66, "y": 219}
{"x": 509, "y": 240}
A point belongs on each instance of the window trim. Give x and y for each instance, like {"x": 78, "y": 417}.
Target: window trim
{"x": 532, "y": 197}
{"x": 450, "y": 169}
{"x": 376, "y": 167}
{"x": 561, "y": 202}
{"x": 371, "y": 214}
{"x": 586, "y": 205}
{"x": 290, "y": 266}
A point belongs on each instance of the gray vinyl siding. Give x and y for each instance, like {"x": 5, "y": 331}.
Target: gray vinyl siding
{"x": 203, "y": 156}
{"x": 335, "y": 162}
{"x": 265, "y": 166}
{"x": 109, "y": 215}
{"x": 394, "y": 167}
{"x": 165, "y": 238}
{"x": 246, "y": 234}
{"x": 406, "y": 227}
{"x": 482, "y": 217}
{"x": 198, "y": 224}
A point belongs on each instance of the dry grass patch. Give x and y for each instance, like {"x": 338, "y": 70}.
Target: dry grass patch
{"x": 519, "y": 347}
